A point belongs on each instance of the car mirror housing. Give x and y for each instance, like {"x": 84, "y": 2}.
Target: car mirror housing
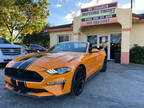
{"x": 37, "y": 51}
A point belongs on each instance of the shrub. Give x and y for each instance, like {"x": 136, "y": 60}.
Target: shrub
{"x": 137, "y": 54}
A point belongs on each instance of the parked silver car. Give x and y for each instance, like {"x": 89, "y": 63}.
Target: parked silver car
{"x": 9, "y": 51}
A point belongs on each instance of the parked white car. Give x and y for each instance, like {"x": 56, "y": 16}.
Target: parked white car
{"x": 9, "y": 51}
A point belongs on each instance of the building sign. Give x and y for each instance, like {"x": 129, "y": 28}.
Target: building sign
{"x": 101, "y": 14}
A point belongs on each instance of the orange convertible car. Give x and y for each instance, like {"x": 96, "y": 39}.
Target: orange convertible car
{"x": 62, "y": 70}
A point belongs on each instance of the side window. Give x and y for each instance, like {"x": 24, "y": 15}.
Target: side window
{"x": 63, "y": 38}
{"x": 33, "y": 46}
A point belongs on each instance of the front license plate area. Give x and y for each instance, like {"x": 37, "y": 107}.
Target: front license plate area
{"x": 18, "y": 86}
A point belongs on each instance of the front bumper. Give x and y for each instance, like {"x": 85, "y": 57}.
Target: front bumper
{"x": 33, "y": 96}
{"x": 46, "y": 88}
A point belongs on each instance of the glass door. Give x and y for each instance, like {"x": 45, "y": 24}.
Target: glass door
{"x": 115, "y": 43}
{"x": 101, "y": 41}
{"x": 104, "y": 42}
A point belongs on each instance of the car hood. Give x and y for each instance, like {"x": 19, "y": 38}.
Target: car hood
{"x": 9, "y": 46}
{"x": 48, "y": 60}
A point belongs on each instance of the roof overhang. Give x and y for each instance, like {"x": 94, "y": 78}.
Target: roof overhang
{"x": 59, "y": 29}
{"x": 66, "y": 27}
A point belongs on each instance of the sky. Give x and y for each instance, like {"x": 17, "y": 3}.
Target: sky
{"x": 63, "y": 11}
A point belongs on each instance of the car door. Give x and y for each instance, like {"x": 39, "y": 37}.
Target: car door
{"x": 92, "y": 62}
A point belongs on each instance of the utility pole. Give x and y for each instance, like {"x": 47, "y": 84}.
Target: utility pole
{"x": 131, "y": 4}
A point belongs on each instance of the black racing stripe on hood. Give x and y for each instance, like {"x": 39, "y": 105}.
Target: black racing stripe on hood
{"x": 17, "y": 64}
{"x": 37, "y": 55}
{"x": 23, "y": 63}
{"x": 27, "y": 63}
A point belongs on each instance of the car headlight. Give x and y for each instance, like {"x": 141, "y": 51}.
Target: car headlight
{"x": 58, "y": 70}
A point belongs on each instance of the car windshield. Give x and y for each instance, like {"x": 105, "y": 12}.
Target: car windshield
{"x": 33, "y": 46}
{"x": 4, "y": 41}
{"x": 70, "y": 47}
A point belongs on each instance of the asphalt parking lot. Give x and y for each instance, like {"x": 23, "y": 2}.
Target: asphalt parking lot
{"x": 122, "y": 86}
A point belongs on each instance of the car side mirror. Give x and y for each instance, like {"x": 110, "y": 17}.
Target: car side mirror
{"x": 37, "y": 51}
{"x": 95, "y": 50}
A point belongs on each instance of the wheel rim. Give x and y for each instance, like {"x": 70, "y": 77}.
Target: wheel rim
{"x": 79, "y": 83}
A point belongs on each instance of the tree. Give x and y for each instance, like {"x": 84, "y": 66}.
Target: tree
{"x": 41, "y": 38}
{"x": 19, "y": 17}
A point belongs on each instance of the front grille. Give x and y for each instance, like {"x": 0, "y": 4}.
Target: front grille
{"x": 7, "y": 60}
{"x": 11, "y": 51}
{"x": 23, "y": 89}
{"x": 23, "y": 75}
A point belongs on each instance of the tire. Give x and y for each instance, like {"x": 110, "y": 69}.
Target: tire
{"x": 78, "y": 81}
{"x": 104, "y": 68}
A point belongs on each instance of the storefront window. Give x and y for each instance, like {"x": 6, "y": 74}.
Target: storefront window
{"x": 92, "y": 40}
{"x": 116, "y": 38}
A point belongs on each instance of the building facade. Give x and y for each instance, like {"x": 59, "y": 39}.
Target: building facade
{"x": 104, "y": 26}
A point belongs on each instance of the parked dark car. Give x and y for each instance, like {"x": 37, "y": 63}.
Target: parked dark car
{"x": 35, "y": 48}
